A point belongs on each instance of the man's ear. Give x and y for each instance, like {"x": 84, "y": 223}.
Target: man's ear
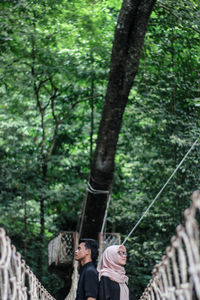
{"x": 89, "y": 252}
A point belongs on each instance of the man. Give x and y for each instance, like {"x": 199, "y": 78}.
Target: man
{"x": 88, "y": 284}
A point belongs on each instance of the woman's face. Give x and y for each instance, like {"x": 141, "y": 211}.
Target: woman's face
{"x": 122, "y": 257}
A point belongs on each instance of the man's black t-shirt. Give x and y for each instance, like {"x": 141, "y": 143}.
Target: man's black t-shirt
{"x": 88, "y": 282}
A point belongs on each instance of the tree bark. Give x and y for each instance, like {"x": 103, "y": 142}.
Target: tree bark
{"x": 128, "y": 41}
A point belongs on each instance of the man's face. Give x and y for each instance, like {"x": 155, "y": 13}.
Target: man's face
{"x": 81, "y": 253}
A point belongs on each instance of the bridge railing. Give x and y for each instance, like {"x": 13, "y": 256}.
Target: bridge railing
{"x": 177, "y": 276}
{"x": 17, "y": 281}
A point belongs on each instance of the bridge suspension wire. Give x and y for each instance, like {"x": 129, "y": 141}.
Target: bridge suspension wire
{"x": 17, "y": 281}
{"x": 148, "y": 208}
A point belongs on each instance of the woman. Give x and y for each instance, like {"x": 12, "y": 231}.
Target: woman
{"x": 113, "y": 281}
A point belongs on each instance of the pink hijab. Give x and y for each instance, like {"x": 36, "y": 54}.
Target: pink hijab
{"x": 108, "y": 266}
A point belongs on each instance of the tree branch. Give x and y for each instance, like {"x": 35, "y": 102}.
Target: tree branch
{"x": 177, "y": 17}
{"x": 74, "y": 104}
{"x": 58, "y": 122}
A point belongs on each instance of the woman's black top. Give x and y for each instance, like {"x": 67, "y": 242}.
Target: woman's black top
{"x": 109, "y": 289}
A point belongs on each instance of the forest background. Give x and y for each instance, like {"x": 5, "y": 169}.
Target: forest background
{"x": 54, "y": 66}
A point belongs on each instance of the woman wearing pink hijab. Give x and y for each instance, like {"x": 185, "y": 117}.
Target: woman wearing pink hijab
{"x": 113, "y": 281}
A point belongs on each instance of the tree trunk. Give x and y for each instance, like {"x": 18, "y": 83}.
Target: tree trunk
{"x": 129, "y": 38}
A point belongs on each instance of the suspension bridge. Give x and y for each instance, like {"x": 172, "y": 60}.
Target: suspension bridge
{"x": 177, "y": 276}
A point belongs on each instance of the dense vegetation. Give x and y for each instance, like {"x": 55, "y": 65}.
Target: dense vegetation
{"x": 54, "y": 68}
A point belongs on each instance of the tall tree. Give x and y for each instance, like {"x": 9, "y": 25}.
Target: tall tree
{"x": 128, "y": 41}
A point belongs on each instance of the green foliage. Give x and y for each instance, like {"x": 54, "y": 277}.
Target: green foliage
{"x": 54, "y": 61}
{"x": 61, "y": 50}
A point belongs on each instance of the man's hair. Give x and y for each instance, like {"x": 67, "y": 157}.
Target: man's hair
{"x": 92, "y": 245}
